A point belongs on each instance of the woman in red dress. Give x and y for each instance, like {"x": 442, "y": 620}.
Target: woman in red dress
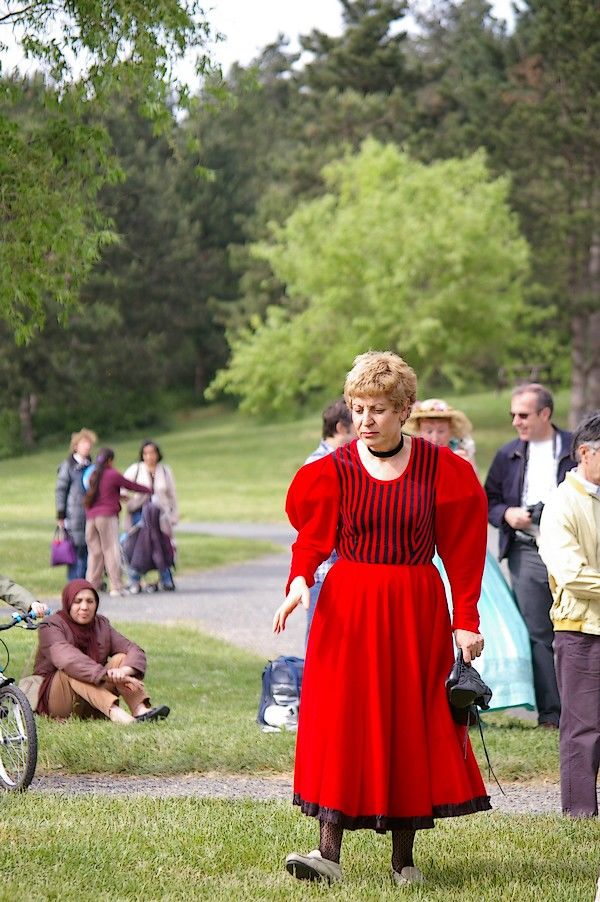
{"x": 377, "y": 746}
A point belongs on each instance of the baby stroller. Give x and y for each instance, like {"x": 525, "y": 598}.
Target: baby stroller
{"x": 146, "y": 547}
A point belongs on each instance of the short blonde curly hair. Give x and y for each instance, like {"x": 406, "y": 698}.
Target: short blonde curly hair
{"x": 381, "y": 373}
{"x": 83, "y": 433}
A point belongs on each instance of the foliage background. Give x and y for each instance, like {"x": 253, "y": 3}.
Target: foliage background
{"x": 426, "y": 260}
{"x": 131, "y": 209}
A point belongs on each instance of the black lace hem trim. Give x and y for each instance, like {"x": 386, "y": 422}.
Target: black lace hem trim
{"x": 381, "y": 823}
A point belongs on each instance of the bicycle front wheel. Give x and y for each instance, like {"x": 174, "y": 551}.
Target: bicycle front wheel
{"x": 18, "y": 740}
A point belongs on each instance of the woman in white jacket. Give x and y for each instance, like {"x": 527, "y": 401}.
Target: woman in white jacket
{"x": 152, "y": 472}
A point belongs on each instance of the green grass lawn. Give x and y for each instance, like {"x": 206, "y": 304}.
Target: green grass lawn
{"x": 25, "y": 552}
{"x": 213, "y": 690}
{"x": 227, "y": 467}
{"x": 94, "y": 848}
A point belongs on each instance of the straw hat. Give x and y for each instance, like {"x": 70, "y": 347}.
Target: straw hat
{"x": 436, "y": 409}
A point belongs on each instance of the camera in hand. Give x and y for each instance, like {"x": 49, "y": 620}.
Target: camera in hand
{"x": 535, "y": 511}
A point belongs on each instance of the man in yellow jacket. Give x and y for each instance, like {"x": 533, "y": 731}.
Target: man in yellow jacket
{"x": 570, "y": 548}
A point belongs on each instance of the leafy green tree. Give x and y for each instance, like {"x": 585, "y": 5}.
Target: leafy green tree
{"x": 117, "y": 39}
{"x": 552, "y": 139}
{"x": 143, "y": 331}
{"x": 426, "y": 260}
{"x": 162, "y": 273}
{"x": 52, "y": 166}
{"x": 89, "y": 372}
{"x": 368, "y": 57}
{"x": 470, "y": 65}
{"x": 464, "y": 56}
{"x": 224, "y": 206}
{"x": 288, "y": 122}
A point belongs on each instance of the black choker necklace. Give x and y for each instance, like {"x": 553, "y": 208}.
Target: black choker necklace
{"x": 389, "y": 453}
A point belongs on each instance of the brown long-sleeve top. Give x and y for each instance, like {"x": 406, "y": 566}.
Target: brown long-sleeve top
{"x": 57, "y": 651}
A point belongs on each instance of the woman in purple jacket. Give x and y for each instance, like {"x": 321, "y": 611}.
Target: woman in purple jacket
{"x": 102, "y": 506}
{"x": 83, "y": 666}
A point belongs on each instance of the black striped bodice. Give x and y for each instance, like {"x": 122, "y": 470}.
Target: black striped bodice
{"x": 387, "y": 522}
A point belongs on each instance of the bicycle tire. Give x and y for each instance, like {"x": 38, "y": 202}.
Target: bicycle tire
{"x": 18, "y": 740}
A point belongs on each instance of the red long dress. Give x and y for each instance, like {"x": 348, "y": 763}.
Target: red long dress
{"x": 377, "y": 746}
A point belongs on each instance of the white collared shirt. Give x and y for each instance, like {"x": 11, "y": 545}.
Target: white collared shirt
{"x": 590, "y": 487}
{"x": 540, "y": 475}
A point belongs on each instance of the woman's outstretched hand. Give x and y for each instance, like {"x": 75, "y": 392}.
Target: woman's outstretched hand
{"x": 471, "y": 644}
{"x": 299, "y": 592}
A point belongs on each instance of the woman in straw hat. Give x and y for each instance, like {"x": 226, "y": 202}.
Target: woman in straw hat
{"x": 505, "y": 665}
{"x": 443, "y": 425}
{"x": 377, "y": 746}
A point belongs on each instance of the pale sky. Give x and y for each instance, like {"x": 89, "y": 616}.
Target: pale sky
{"x": 249, "y": 25}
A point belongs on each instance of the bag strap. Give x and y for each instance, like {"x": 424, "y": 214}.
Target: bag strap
{"x": 290, "y": 660}
{"x": 487, "y": 757}
{"x": 265, "y": 695}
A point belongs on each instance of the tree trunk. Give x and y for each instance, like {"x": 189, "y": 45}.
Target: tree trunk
{"x": 577, "y": 370}
{"x": 593, "y": 329}
{"x": 593, "y": 372}
{"x": 27, "y": 409}
{"x": 585, "y": 335}
{"x": 200, "y": 377}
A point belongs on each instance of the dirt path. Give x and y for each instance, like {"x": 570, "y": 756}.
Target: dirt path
{"x": 236, "y": 603}
{"x": 521, "y": 798}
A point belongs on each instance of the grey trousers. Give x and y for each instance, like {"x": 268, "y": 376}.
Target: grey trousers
{"x": 578, "y": 672}
{"x": 530, "y": 584}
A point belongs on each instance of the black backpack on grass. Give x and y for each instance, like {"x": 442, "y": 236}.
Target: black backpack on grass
{"x": 280, "y": 696}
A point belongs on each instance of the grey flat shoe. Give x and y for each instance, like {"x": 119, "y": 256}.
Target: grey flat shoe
{"x": 313, "y": 867}
{"x": 407, "y": 876}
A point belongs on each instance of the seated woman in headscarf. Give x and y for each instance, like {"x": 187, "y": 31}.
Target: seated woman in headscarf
{"x": 84, "y": 666}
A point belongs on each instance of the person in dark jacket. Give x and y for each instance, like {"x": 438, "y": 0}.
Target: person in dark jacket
{"x": 83, "y": 665}
{"x": 523, "y": 474}
{"x": 70, "y": 512}
{"x": 147, "y": 547}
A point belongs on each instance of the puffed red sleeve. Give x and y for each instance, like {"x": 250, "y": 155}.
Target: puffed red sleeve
{"x": 313, "y": 508}
{"x": 461, "y": 535}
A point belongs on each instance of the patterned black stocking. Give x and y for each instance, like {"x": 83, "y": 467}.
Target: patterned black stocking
{"x": 330, "y": 842}
{"x": 402, "y": 849}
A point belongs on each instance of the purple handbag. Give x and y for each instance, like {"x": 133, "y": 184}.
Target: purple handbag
{"x": 62, "y": 550}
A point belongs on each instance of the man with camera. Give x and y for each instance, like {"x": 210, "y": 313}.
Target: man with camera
{"x": 523, "y": 474}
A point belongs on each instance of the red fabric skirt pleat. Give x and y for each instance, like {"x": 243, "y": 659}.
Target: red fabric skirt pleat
{"x": 377, "y": 746}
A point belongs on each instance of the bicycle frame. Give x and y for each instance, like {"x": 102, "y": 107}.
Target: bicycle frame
{"x": 18, "y": 735}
